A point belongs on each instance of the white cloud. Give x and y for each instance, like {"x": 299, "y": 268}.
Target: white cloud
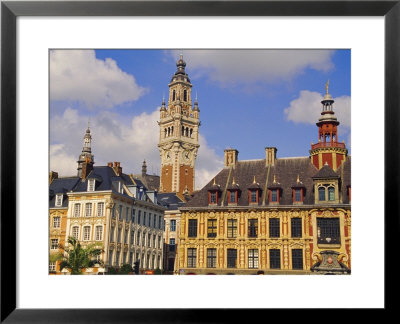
{"x": 115, "y": 140}
{"x": 307, "y": 108}
{"x": 243, "y": 67}
{"x": 77, "y": 75}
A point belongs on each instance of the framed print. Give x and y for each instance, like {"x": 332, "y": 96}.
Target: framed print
{"x": 36, "y": 36}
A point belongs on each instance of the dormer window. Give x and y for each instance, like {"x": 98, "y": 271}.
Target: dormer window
{"x": 254, "y": 192}
{"x": 213, "y": 193}
{"x": 274, "y": 192}
{"x": 91, "y": 185}
{"x": 298, "y": 189}
{"x": 59, "y": 200}
{"x": 233, "y": 197}
{"x": 213, "y": 197}
{"x": 326, "y": 192}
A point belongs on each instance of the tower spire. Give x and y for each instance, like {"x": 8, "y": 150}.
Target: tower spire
{"x": 86, "y": 155}
{"x": 328, "y": 149}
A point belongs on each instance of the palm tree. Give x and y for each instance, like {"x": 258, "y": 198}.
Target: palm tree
{"x": 76, "y": 257}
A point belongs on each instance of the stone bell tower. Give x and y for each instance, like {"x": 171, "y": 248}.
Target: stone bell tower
{"x": 328, "y": 150}
{"x": 179, "y": 134}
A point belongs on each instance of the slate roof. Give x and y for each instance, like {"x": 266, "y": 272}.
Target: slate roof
{"x": 285, "y": 170}
{"x": 61, "y": 185}
{"x": 170, "y": 200}
{"x": 152, "y": 182}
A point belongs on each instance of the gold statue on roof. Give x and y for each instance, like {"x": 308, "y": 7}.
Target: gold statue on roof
{"x": 327, "y": 87}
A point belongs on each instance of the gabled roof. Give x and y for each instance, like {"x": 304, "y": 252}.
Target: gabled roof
{"x": 326, "y": 172}
{"x": 170, "y": 200}
{"x": 152, "y": 182}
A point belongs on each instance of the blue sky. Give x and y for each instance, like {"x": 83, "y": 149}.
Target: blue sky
{"x": 248, "y": 99}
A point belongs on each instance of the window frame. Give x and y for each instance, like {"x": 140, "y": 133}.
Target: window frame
{"x": 211, "y": 258}
{"x": 297, "y": 260}
{"x": 274, "y": 229}
{"x": 58, "y": 222}
{"x": 231, "y": 258}
{"x": 59, "y": 200}
{"x": 231, "y": 228}
{"x": 212, "y": 227}
{"x": 85, "y": 227}
{"x": 192, "y": 230}
{"x": 296, "y": 227}
{"x": 191, "y": 257}
{"x": 252, "y": 228}
{"x": 54, "y": 244}
{"x": 274, "y": 257}
{"x": 172, "y": 225}
{"x": 251, "y": 256}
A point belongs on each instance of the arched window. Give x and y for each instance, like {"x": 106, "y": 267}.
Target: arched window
{"x": 173, "y": 95}
{"x": 172, "y": 131}
{"x": 187, "y": 131}
{"x": 191, "y": 132}
{"x": 321, "y": 193}
{"x": 184, "y": 95}
{"x": 331, "y": 193}
{"x": 165, "y": 132}
{"x": 183, "y": 131}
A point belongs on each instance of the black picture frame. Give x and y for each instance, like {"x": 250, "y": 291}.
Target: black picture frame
{"x": 10, "y": 10}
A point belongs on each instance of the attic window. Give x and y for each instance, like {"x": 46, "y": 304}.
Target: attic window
{"x": 59, "y": 200}
{"x": 91, "y": 185}
{"x": 326, "y": 191}
{"x": 213, "y": 197}
{"x": 233, "y": 197}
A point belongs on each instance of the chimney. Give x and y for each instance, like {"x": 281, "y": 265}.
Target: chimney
{"x": 117, "y": 168}
{"x": 231, "y": 157}
{"x": 270, "y": 156}
{"x": 144, "y": 168}
{"x": 53, "y": 175}
{"x": 87, "y": 167}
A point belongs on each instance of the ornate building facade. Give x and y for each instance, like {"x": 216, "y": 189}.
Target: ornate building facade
{"x": 273, "y": 215}
{"x": 111, "y": 210}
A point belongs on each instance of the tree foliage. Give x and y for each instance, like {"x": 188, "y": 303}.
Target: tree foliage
{"x": 126, "y": 269}
{"x": 77, "y": 257}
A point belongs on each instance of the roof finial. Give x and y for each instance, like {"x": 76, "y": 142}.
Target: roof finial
{"x": 233, "y": 180}
{"x": 254, "y": 179}
{"x": 327, "y": 87}
{"x": 214, "y": 182}
{"x": 274, "y": 178}
{"x": 298, "y": 179}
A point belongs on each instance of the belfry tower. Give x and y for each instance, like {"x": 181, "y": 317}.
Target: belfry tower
{"x": 328, "y": 150}
{"x": 86, "y": 156}
{"x": 179, "y": 134}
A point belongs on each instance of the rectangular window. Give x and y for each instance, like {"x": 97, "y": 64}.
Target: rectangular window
{"x": 253, "y": 258}
{"x": 90, "y": 185}
{"x": 192, "y": 228}
{"x": 126, "y": 237}
{"x": 172, "y": 244}
{"x": 119, "y": 235}
{"x": 275, "y": 259}
{"x": 296, "y": 227}
{"x": 144, "y": 218}
{"x": 232, "y": 196}
{"x": 154, "y": 220}
{"x": 100, "y": 209}
{"x": 127, "y": 214}
{"x": 232, "y": 228}
{"x": 138, "y": 238}
{"x": 110, "y": 257}
{"x": 212, "y": 228}
{"x": 321, "y": 193}
{"x": 88, "y": 210}
{"x": 274, "y": 227}
{"x": 172, "y": 226}
{"x": 253, "y": 196}
{"x": 149, "y": 219}
{"x": 59, "y": 200}
{"x": 77, "y": 210}
{"x": 297, "y": 259}
{"x": 211, "y": 258}
{"x": 191, "y": 253}
{"x": 159, "y": 242}
{"x": 331, "y": 193}
{"x": 113, "y": 212}
{"x": 117, "y": 258}
{"x": 213, "y": 197}
{"x": 231, "y": 258}
{"x": 139, "y": 214}
{"x": 56, "y": 222}
{"x": 99, "y": 233}
{"x": 297, "y": 194}
{"x": 52, "y": 266}
{"x": 54, "y": 244}
{"x": 120, "y": 212}
{"x": 274, "y": 195}
{"x": 133, "y": 215}
{"x": 159, "y": 222}
{"x": 253, "y": 228}
{"x": 149, "y": 240}
{"x": 75, "y": 232}
{"x": 86, "y": 233}
{"x": 112, "y": 234}
{"x": 328, "y": 230}
{"x": 144, "y": 239}
{"x": 154, "y": 241}
{"x": 132, "y": 239}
